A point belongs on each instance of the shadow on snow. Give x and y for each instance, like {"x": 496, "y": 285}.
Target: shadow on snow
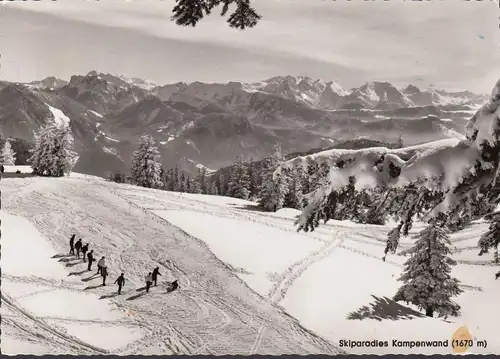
{"x": 384, "y": 309}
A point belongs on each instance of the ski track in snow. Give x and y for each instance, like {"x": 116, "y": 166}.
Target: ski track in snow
{"x": 295, "y": 270}
{"x": 58, "y": 336}
{"x": 214, "y": 312}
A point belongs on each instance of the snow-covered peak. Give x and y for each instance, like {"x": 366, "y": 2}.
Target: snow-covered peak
{"x": 375, "y": 93}
{"x": 50, "y": 82}
{"x": 337, "y": 88}
{"x": 411, "y": 90}
{"x": 144, "y": 84}
{"x": 301, "y": 89}
{"x": 60, "y": 118}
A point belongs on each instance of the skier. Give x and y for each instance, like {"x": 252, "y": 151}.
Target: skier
{"x": 497, "y": 275}
{"x": 149, "y": 280}
{"x": 78, "y": 247}
{"x": 90, "y": 257}
{"x": 72, "y": 244}
{"x": 156, "y": 273}
{"x": 85, "y": 248}
{"x": 100, "y": 264}
{"x": 104, "y": 274}
{"x": 174, "y": 285}
{"x": 121, "y": 282}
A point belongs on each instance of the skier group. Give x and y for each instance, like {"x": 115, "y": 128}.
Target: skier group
{"x": 102, "y": 268}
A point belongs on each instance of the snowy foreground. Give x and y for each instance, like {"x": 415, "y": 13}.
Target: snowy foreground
{"x": 244, "y": 276}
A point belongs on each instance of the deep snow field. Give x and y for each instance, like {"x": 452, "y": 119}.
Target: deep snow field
{"x": 249, "y": 283}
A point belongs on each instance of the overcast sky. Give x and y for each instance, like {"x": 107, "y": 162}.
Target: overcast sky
{"x": 450, "y": 44}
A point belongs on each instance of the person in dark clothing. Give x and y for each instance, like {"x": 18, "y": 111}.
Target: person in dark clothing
{"x": 149, "y": 281}
{"x": 72, "y": 244}
{"x": 156, "y": 273}
{"x": 78, "y": 247}
{"x": 121, "y": 282}
{"x": 101, "y": 263}
{"x": 2, "y": 168}
{"x": 497, "y": 275}
{"x": 90, "y": 257}
{"x": 85, "y": 248}
{"x": 104, "y": 274}
{"x": 174, "y": 285}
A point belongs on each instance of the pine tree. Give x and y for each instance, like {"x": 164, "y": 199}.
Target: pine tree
{"x": 254, "y": 180}
{"x": 188, "y": 185}
{"x": 274, "y": 187}
{"x": 170, "y": 184}
{"x": 165, "y": 179}
{"x": 293, "y": 196}
{"x": 195, "y": 186}
{"x": 348, "y": 198}
{"x": 392, "y": 240}
{"x": 221, "y": 184}
{"x": 146, "y": 166}
{"x": 427, "y": 280}
{"x": 7, "y": 157}
{"x": 239, "y": 182}
{"x": 214, "y": 190}
{"x": 491, "y": 239}
{"x": 377, "y": 211}
{"x": 202, "y": 180}
{"x": 176, "y": 180}
{"x": 182, "y": 183}
{"x": 53, "y": 153}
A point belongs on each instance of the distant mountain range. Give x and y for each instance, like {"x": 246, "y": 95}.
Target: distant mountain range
{"x": 201, "y": 124}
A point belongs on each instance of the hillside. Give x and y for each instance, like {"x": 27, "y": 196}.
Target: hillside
{"x": 244, "y": 277}
{"x": 211, "y": 124}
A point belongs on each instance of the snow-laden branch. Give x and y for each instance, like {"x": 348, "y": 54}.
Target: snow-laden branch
{"x": 458, "y": 167}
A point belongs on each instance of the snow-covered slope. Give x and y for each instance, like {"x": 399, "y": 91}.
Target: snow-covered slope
{"x": 238, "y": 268}
{"x": 214, "y": 312}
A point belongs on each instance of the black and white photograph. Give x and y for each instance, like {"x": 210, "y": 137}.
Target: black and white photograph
{"x": 250, "y": 177}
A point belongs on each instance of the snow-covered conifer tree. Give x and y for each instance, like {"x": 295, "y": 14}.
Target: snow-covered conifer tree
{"x": 293, "y": 196}
{"x": 63, "y": 151}
{"x": 202, "y": 180}
{"x": 274, "y": 185}
{"x": 146, "y": 166}
{"x": 491, "y": 239}
{"x": 239, "y": 182}
{"x": 392, "y": 240}
{"x": 7, "y": 157}
{"x": 53, "y": 153}
{"x": 165, "y": 178}
{"x": 221, "y": 182}
{"x": 195, "y": 186}
{"x": 188, "y": 185}
{"x": 213, "y": 189}
{"x": 427, "y": 280}
{"x": 182, "y": 183}
{"x": 377, "y": 211}
{"x": 176, "y": 180}
{"x": 253, "y": 175}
